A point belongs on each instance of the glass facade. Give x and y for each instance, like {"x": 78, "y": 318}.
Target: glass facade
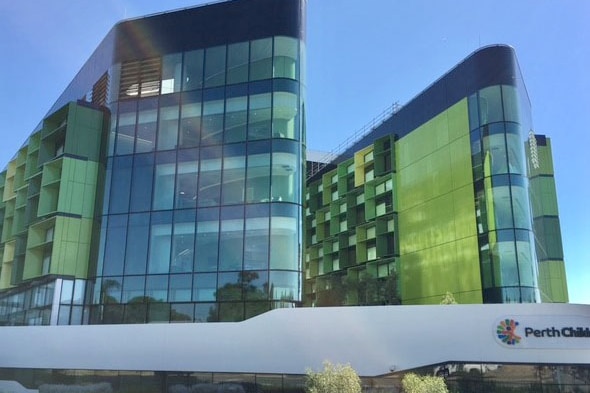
{"x": 201, "y": 210}
{"x": 500, "y": 123}
{"x": 461, "y": 203}
{"x": 463, "y": 377}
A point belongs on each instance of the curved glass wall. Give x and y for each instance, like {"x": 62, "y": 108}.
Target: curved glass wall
{"x": 500, "y": 122}
{"x": 202, "y": 204}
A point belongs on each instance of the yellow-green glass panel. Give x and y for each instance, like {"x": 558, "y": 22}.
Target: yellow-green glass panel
{"x": 436, "y": 211}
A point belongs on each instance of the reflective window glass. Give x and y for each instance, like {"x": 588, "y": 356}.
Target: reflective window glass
{"x": 259, "y": 116}
{"x": 204, "y": 287}
{"x": 284, "y": 123}
{"x": 206, "y": 312}
{"x": 190, "y": 123}
{"x": 516, "y": 154}
{"x": 160, "y": 243}
{"x": 215, "y": 66}
{"x": 168, "y": 123}
{"x": 137, "y": 243}
{"x": 495, "y": 156}
{"x": 111, "y": 290}
{"x": 255, "y": 284}
{"x": 181, "y": 312}
{"x": 258, "y": 176}
{"x": 113, "y": 130}
{"x": 133, "y": 289}
{"x": 171, "y": 73}
{"x": 511, "y": 103}
{"x": 490, "y": 105}
{"x": 120, "y": 185}
{"x": 126, "y": 127}
{"x": 182, "y": 247}
{"x": 285, "y": 182}
{"x": 187, "y": 179}
{"x": 231, "y": 244}
{"x": 156, "y": 288}
{"x": 502, "y": 207}
{"x": 147, "y": 123}
{"x": 256, "y": 252}
{"x": 209, "y": 177}
{"x": 158, "y": 312}
{"x": 237, "y": 62}
{"x": 193, "y": 70}
{"x": 261, "y": 59}
{"x": 141, "y": 182}
{"x": 112, "y": 313}
{"x": 114, "y": 253}
{"x": 180, "y": 288}
{"x": 135, "y": 313}
{"x": 521, "y": 207}
{"x": 229, "y": 286}
{"x": 284, "y": 285}
{"x": 212, "y": 131}
{"x": 164, "y": 181}
{"x": 284, "y": 243}
{"x": 526, "y": 261}
{"x": 234, "y": 170}
{"x": 207, "y": 240}
{"x": 285, "y": 57}
{"x": 231, "y": 312}
{"x": 67, "y": 287}
{"x": 473, "y": 112}
{"x": 63, "y": 315}
{"x": 236, "y": 119}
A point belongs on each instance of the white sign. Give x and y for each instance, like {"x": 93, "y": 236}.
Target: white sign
{"x": 543, "y": 332}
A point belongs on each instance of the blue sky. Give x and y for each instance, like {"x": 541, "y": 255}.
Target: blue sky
{"x": 363, "y": 55}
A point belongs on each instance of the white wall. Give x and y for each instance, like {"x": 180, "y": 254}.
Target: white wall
{"x": 374, "y": 340}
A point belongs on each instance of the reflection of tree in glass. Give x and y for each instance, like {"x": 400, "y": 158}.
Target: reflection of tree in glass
{"x": 232, "y": 295}
{"x": 364, "y": 290}
{"x": 106, "y": 288}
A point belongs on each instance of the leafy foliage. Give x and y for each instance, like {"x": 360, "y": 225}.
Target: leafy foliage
{"x": 413, "y": 383}
{"x": 448, "y": 298}
{"x": 336, "y": 378}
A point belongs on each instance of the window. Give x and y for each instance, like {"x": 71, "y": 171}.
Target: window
{"x": 183, "y": 247}
{"x": 215, "y": 66}
{"x": 237, "y": 62}
{"x": 261, "y": 59}
{"x": 171, "y": 73}
{"x": 190, "y": 121}
{"x": 234, "y": 174}
{"x": 212, "y": 131}
{"x": 137, "y": 247}
{"x": 147, "y": 123}
{"x": 193, "y": 70}
{"x": 164, "y": 181}
{"x": 160, "y": 243}
{"x": 236, "y": 119}
{"x": 168, "y": 123}
{"x": 285, "y": 107}
{"x": 285, "y": 57}
{"x": 187, "y": 179}
{"x": 259, "y": 116}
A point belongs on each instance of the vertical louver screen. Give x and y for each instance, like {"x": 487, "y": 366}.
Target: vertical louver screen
{"x": 100, "y": 90}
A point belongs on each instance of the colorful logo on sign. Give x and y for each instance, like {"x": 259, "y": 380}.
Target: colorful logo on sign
{"x": 506, "y": 332}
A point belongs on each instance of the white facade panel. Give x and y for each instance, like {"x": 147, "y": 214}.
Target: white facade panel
{"x": 374, "y": 340}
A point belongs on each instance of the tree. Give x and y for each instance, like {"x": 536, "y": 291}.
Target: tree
{"x": 448, "y": 298}
{"x": 413, "y": 383}
{"x": 334, "y": 378}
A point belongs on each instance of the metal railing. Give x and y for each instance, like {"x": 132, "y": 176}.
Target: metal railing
{"x": 353, "y": 138}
